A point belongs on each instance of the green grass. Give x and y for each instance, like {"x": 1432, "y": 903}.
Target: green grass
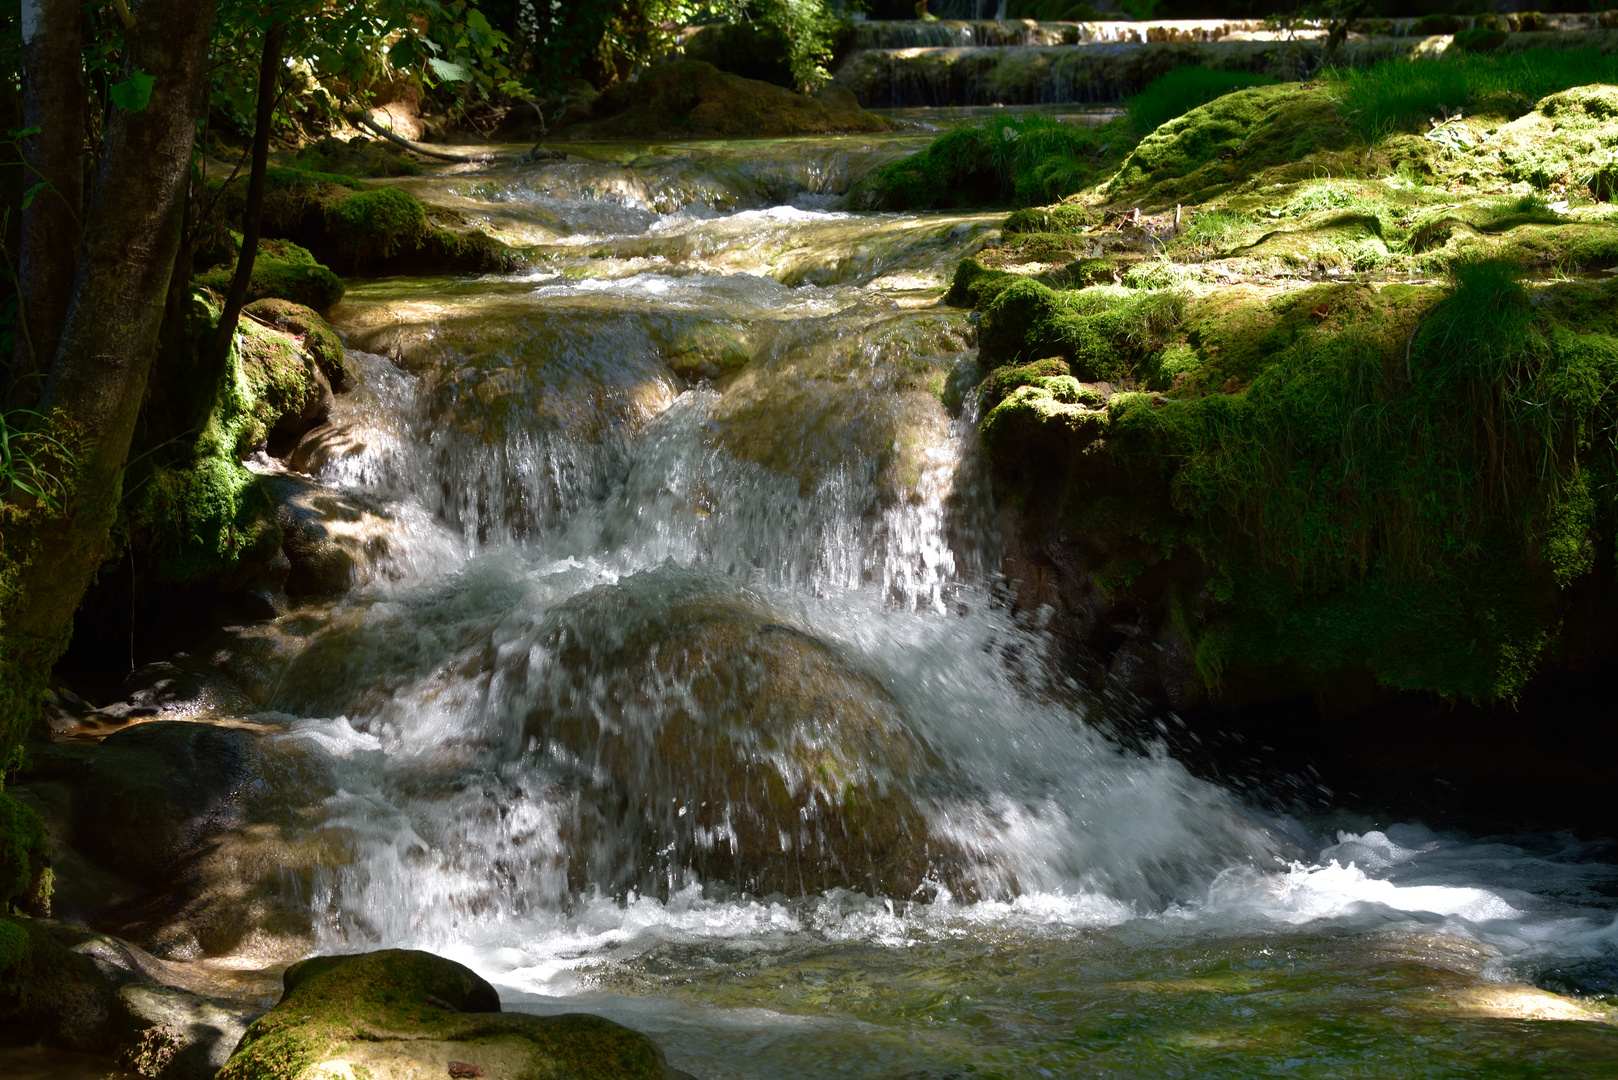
{"x": 1182, "y": 90}
{"x": 1402, "y": 94}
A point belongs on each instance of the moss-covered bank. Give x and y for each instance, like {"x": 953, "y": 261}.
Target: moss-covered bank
{"x": 1279, "y": 483}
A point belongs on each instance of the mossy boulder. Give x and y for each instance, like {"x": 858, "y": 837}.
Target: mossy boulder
{"x": 366, "y": 230}
{"x": 317, "y": 336}
{"x": 199, "y": 516}
{"x": 400, "y": 1014}
{"x": 281, "y": 270}
{"x": 1225, "y": 142}
{"x": 695, "y": 100}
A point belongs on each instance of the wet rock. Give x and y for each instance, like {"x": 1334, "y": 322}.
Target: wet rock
{"x": 147, "y": 794}
{"x": 327, "y": 536}
{"x": 702, "y": 733}
{"x": 398, "y": 1014}
{"x": 693, "y": 99}
{"x": 66, "y": 986}
{"x": 177, "y": 1035}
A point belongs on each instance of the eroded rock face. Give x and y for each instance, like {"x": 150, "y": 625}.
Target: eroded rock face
{"x": 400, "y": 1014}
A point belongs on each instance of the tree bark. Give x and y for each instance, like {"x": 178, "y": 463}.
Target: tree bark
{"x": 269, "y": 69}
{"x": 49, "y": 552}
{"x": 48, "y": 259}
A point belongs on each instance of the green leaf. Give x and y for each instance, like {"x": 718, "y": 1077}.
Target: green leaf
{"x": 28, "y": 196}
{"x": 23, "y": 133}
{"x": 134, "y": 93}
{"x": 447, "y": 71}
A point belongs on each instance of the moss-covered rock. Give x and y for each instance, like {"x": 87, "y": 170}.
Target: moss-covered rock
{"x": 1227, "y": 141}
{"x": 693, "y": 99}
{"x": 355, "y": 229}
{"x": 317, "y": 336}
{"x": 974, "y": 286}
{"x": 1311, "y": 502}
{"x": 396, "y": 1014}
{"x": 199, "y": 516}
{"x": 51, "y": 995}
{"x": 1102, "y": 332}
{"x": 298, "y": 279}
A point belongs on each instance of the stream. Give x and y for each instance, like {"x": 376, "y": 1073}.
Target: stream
{"x": 682, "y": 689}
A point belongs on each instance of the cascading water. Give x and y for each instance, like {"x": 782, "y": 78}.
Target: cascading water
{"x": 689, "y": 699}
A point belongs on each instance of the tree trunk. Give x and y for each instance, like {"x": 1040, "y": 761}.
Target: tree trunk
{"x": 107, "y": 344}
{"x": 269, "y": 69}
{"x": 53, "y": 102}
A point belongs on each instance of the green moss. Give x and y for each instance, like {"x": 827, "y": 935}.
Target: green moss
{"x": 1102, "y": 332}
{"x": 203, "y": 516}
{"x": 1184, "y": 89}
{"x": 1025, "y": 160}
{"x": 318, "y": 337}
{"x": 299, "y": 281}
{"x": 1401, "y": 481}
{"x": 1056, "y": 218}
{"x": 24, "y": 858}
{"x": 973, "y": 286}
{"x": 1004, "y": 380}
{"x": 1045, "y": 407}
{"x": 375, "y": 224}
{"x": 388, "y": 1003}
{"x": 1219, "y": 145}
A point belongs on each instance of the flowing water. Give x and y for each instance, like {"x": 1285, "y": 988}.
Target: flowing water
{"x": 685, "y": 691}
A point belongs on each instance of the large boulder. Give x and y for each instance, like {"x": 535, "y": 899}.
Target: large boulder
{"x": 400, "y": 1014}
{"x": 704, "y": 733}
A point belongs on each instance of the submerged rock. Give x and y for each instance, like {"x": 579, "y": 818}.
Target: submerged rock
{"x": 696, "y": 100}
{"x": 705, "y": 734}
{"x": 400, "y": 1014}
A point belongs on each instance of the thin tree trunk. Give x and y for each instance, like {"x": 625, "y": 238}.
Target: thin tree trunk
{"x": 49, "y": 552}
{"x": 53, "y": 102}
{"x": 269, "y": 69}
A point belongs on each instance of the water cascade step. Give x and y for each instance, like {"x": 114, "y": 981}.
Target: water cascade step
{"x": 912, "y": 64}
